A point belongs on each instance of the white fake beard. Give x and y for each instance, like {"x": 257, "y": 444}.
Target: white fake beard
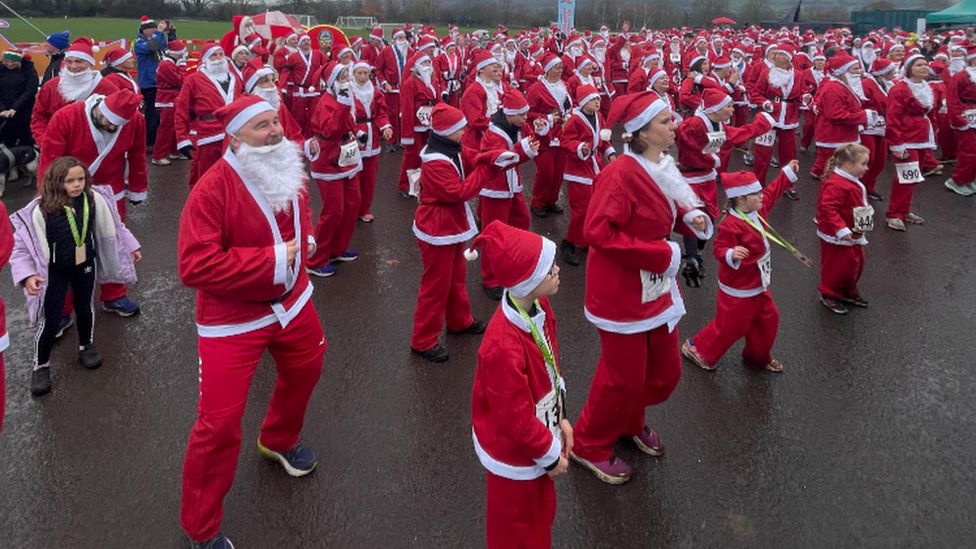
{"x": 217, "y": 69}
{"x": 957, "y": 64}
{"x": 972, "y": 74}
{"x": 270, "y": 95}
{"x": 276, "y": 170}
{"x": 779, "y": 78}
{"x": 672, "y": 183}
{"x": 364, "y": 93}
{"x": 868, "y": 56}
{"x": 401, "y": 46}
{"x": 625, "y": 55}
{"x": 510, "y": 58}
{"x": 600, "y": 56}
{"x": 922, "y": 92}
{"x": 425, "y": 73}
{"x": 853, "y": 82}
{"x": 575, "y": 52}
{"x": 76, "y": 86}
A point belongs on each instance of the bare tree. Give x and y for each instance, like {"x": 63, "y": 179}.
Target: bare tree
{"x": 194, "y": 7}
{"x": 754, "y": 11}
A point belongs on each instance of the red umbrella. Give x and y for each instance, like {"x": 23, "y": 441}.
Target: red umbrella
{"x": 271, "y": 25}
{"x": 723, "y": 21}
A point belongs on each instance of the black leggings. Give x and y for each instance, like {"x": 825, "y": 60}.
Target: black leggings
{"x": 81, "y": 280}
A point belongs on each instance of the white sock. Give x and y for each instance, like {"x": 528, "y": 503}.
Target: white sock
{"x": 45, "y": 365}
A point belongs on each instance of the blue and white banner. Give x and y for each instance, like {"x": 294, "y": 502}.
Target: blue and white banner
{"x": 566, "y": 12}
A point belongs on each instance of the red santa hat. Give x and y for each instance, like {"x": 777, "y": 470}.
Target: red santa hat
{"x": 330, "y": 73}
{"x": 714, "y": 100}
{"x": 598, "y": 42}
{"x": 520, "y": 259}
{"x": 399, "y": 33}
{"x": 376, "y": 34}
{"x": 238, "y": 49}
{"x": 786, "y": 49}
{"x": 341, "y": 50}
{"x": 742, "y": 183}
{"x": 83, "y": 48}
{"x": 176, "y": 47}
{"x": 145, "y": 22}
{"x": 971, "y": 53}
{"x": 445, "y": 119}
{"x": 882, "y": 66}
{"x": 909, "y": 61}
{"x": 356, "y": 41}
{"x": 549, "y": 62}
{"x": 585, "y": 60}
{"x": 425, "y": 43}
{"x": 120, "y": 106}
{"x": 482, "y": 59}
{"x": 209, "y": 48}
{"x": 117, "y": 56}
{"x": 447, "y": 42}
{"x": 636, "y": 110}
{"x": 574, "y": 40}
{"x": 840, "y": 63}
{"x": 304, "y": 37}
{"x": 585, "y": 93}
{"x": 255, "y": 70}
{"x": 650, "y": 54}
{"x": 514, "y": 103}
{"x": 721, "y": 62}
{"x": 234, "y": 115}
{"x": 654, "y": 75}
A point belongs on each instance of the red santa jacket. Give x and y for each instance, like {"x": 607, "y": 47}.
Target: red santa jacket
{"x": 700, "y": 154}
{"x": 300, "y": 70}
{"x": 169, "y": 80}
{"x": 515, "y": 401}
{"x": 619, "y": 67}
{"x": 961, "y": 97}
{"x": 72, "y": 133}
{"x": 478, "y": 110}
{"x": 840, "y": 115}
{"x": 545, "y": 100}
{"x": 785, "y": 100}
{"x": 630, "y": 272}
{"x": 371, "y": 119}
{"x": 201, "y": 96}
{"x": 415, "y": 95}
{"x": 690, "y": 94}
{"x": 231, "y": 250}
{"x": 498, "y": 147}
{"x": 389, "y": 67}
{"x": 444, "y": 217}
{"x": 909, "y": 125}
{"x": 583, "y": 168}
{"x": 333, "y": 126}
{"x": 741, "y": 277}
{"x": 877, "y": 101}
{"x": 122, "y": 81}
{"x": 49, "y": 101}
{"x": 840, "y": 193}
{"x": 450, "y": 69}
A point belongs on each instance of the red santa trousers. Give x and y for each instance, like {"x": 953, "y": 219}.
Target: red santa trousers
{"x": 948, "y": 139}
{"x": 337, "y": 220}
{"x": 840, "y": 269}
{"x": 635, "y": 371}
{"x": 787, "y": 152}
{"x": 519, "y": 513}
{"x": 579, "y": 201}
{"x": 548, "y": 177}
{"x": 367, "y": 183}
{"x": 741, "y": 116}
{"x": 301, "y": 109}
{"x": 511, "y": 211}
{"x": 754, "y": 318}
{"x": 393, "y": 108}
{"x": 227, "y": 365}
{"x": 820, "y": 163}
{"x": 965, "y": 169}
{"x": 411, "y": 160}
{"x": 901, "y": 193}
{"x": 443, "y": 293}
{"x": 165, "y": 134}
{"x": 878, "y": 150}
{"x": 204, "y": 157}
{"x": 927, "y": 159}
{"x": 809, "y": 118}
{"x": 3, "y": 392}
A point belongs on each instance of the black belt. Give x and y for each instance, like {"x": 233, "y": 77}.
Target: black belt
{"x": 363, "y": 120}
{"x": 781, "y": 100}
{"x": 281, "y": 298}
{"x": 207, "y": 117}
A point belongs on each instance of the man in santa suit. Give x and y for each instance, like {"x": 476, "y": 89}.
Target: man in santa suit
{"x": 779, "y": 90}
{"x": 419, "y": 93}
{"x": 619, "y": 54}
{"x": 243, "y": 238}
{"x": 372, "y": 120}
{"x": 574, "y": 49}
{"x": 261, "y": 81}
{"x": 549, "y": 99}
{"x": 371, "y": 51}
{"x": 299, "y": 71}
{"x": 118, "y": 64}
{"x": 448, "y": 65}
{"x": 169, "y": 80}
{"x": 839, "y": 108}
{"x": 815, "y": 75}
{"x": 639, "y": 79}
{"x": 961, "y": 95}
{"x": 198, "y": 132}
{"x": 278, "y": 61}
{"x": 876, "y": 86}
{"x": 109, "y": 135}
{"x": 481, "y": 100}
{"x": 76, "y": 82}
{"x": 389, "y": 71}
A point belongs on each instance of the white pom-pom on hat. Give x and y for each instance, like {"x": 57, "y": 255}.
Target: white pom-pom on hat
{"x": 95, "y": 49}
{"x": 470, "y": 254}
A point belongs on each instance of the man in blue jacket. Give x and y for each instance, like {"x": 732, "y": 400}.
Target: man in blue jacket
{"x": 149, "y": 48}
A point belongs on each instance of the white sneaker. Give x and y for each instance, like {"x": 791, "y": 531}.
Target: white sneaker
{"x": 32, "y": 165}
{"x": 895, "y": 224}
{"x": 161, "y": 162}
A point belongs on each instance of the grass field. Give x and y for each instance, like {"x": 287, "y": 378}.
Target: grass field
{"x": 101, "y": 28}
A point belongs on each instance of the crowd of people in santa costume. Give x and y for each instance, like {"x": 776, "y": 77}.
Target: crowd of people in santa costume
{"x": 267, "y": 124}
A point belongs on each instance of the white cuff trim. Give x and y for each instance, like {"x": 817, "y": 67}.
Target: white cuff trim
{"x": 675, "y": 260}
{"x": 281, "y": 263}
{"x": 552, "y": 454}
{"x": 734, "y": 263}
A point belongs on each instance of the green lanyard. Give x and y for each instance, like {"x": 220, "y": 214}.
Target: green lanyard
{"x": 542, "y": 343}
{"x": 774, "y": 236}
{"x": 79, "y": 238}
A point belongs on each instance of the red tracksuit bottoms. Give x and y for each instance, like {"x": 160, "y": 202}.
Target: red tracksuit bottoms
{"x": 635, "y": 371}
{"x": 227, "y": 365}
{"x": 755, "y": 318}
{"x": 900, "y": 203}
{"x": 367, "y": 183}
{"x": 878, "y": 151}
{"x": 166, "y": 134}
{"x": 579, "y": 201}
{"x": 443, "y": 293}
{"x": 965, "y": 170}
{"x": 840, "y": 269}
{"x": 548, "y": 177}
{"x": 511, "y": 211}
{"x": 787, "y": 152}
{"x": 301, "y": 109}
{"x": 393, "y": 107}
{"x": 337, "y": 220}
{"x": 411, "y": 160}
{"x": 519, "y": 513}
{"x": 203, "y": 157}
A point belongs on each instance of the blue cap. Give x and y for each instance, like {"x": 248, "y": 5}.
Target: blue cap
{"x": 59, "y": 40}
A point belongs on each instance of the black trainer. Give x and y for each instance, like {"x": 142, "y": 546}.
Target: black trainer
{"x": 494, "y": 292}
{"x": 875, "y": 196}
{"x": 436, "y": 354}
{"x": 40, "y": 382}
{"x": 855, "y": 301}
{"x": 692, "y": 273}
{"x": 219, "y": 541}
{"x": 835, "y": 306}
{"x": 540, "y": 212}
{"x": 89, "y": 357}
{"x": 554, "y": 209}
{"x": 475, "y": 328}
{"x": 570, "y": 253}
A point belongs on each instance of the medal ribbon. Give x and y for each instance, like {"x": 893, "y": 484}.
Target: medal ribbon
{"x": 774, "y": 236}
{"x": 79, "y": 238}
{"x": 541, "y": 342}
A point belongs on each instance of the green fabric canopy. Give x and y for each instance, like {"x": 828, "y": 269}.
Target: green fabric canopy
{"x": 963, "y": 12}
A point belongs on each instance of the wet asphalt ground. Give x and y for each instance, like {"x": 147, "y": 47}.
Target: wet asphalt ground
{"x": 867, "y": 440}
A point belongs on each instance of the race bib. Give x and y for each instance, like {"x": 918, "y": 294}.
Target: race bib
{"x": 675, "y": 58}
{"x": 765, "y": 269}
{"x": 908, "y": 173}
{"x": 547, "y": 411}
{"x": 654, "y": 285}
{"x": 349, "y": 154}
{"x": 715, "y": 142}
{"x": 880, "y": 123}
{"x": 413, "y": 177}
{"x": 970, "y": 117}
{"x": 863, "y": 219}
{"x": 423, "y": 115}
{"x": 767, "y": 139}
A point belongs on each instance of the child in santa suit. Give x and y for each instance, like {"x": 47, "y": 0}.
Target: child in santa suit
{"x": 745, "y": 304}
{"x": 843, "y": 216}
{"x": 506, "y": 144}
{"x": 586, "y": 143}
{"x": 519, "y": 426}
{"x": 442, "y": 224}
